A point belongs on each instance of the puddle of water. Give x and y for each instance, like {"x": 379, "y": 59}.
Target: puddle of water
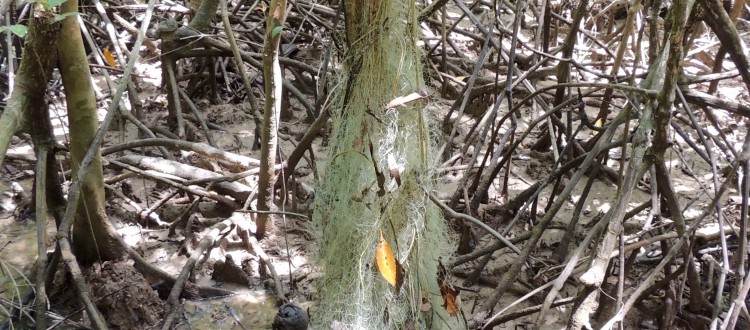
{"x": 254, "y": 309}
{"x": 19, "y": 251}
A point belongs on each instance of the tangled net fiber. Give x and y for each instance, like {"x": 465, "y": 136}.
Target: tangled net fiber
{"x": 371, "y": 145}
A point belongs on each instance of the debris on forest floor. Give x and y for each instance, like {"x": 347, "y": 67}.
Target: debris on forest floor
{"x": 185, "y": 193}
{"x": 124, "y": 296}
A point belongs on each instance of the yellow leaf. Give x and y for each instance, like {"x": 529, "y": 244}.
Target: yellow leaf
{"x": 386, "y": 261}
{"x": 388, "y": 265}
{"x": 109, "y": 58}
{"x": 598, "y": 123}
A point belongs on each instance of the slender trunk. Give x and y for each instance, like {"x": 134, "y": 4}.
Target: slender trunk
{"x": 92, "y": 232}
{"x": 273, "y": 79}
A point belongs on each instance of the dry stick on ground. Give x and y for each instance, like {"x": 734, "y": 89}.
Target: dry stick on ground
{"x": 703, "y": 99}
{"x": 236, "y": 190}
{"x": 278, "y": 288}
{"x": 225, "y": 157}
{"x": 198, "y": 192}
{"x": 174, "y": 296}
{"x": 527, "y": 311}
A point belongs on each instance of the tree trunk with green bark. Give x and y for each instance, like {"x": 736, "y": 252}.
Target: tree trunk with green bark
{"x": 375, "y": 182}
{"x": 94, "y": 237}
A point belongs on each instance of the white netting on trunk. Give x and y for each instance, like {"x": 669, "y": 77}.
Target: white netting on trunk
{"x": 369, "y": 143}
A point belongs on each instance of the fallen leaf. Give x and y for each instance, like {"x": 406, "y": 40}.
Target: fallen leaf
{"x": 450, "y": 299}
{"x": 109, "y": 57}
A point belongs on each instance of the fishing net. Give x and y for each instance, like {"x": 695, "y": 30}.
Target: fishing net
{"x": 378, "y": 169}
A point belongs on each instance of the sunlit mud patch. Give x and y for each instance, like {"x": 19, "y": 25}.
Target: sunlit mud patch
{"x": 246, "y": 310}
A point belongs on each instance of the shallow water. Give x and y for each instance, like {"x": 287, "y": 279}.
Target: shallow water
{"x": 253, "y": 309}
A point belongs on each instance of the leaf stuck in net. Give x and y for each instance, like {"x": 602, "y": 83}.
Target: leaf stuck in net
{"x": 388, "y": 265}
